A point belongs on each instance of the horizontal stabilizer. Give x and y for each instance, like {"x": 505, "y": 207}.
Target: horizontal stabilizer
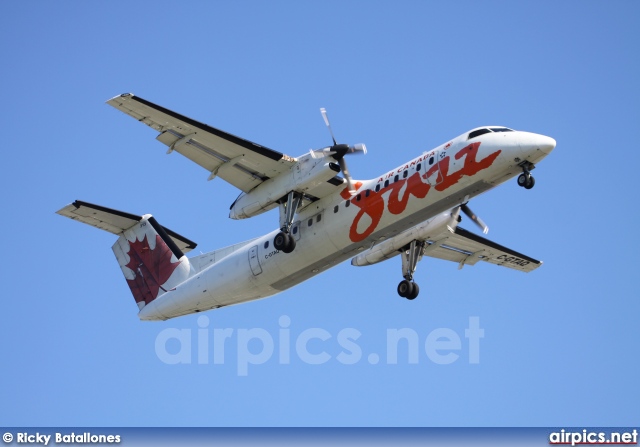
{"x": 115, "y": 221}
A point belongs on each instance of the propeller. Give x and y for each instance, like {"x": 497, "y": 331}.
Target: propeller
{"x": 323, "y": 111}
{"x": 474, "y": 217}
{"x": 338, "y": 151}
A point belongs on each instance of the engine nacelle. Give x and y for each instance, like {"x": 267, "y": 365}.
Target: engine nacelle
{"x": 432, "y": 228}
{"x": 306, "y": 174}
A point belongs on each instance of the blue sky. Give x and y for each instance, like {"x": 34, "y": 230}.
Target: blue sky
{"x": 560, "y": 344}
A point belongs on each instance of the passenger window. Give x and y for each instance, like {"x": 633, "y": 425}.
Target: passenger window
{"x": 347, "y": 203}
{"x": 367, "y": 192}
{"x": 336, "y": 208}
{"x": 396, "y": 178}
{"x": 295, "y": 230}
{"x": 310, "y": 222}
{"x": 431, "y": 161}
{"x": 386, "y": 183}
{"x": 319, "y": 218}
{"x": 404, "y": 174}
{"x": 378, "y": 187}
{"x": 358, "y": 197}
{"x": 266, "y": 244}
{"x": 419, "y": 167}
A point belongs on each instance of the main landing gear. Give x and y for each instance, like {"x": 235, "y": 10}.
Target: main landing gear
{"x": 284, "y": 241}
{"x": 525, "y": 179}
{"x": 410, "y": 258}
{"x": 408, "y": 289}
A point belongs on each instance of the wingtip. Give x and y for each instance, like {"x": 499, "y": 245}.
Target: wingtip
{"x": 123, "y": 95}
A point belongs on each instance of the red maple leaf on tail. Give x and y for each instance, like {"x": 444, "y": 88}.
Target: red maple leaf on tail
{"x": 152, "y": 268}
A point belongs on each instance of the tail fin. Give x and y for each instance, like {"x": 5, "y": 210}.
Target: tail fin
{"x": 150, "y": 261}
{"x": 151, "y": 257}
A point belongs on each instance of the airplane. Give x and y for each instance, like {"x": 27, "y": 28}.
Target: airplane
{"x": 325, "y": 216}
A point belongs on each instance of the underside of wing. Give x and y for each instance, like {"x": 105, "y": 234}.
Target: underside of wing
{"x": 240, "y": 162}
{"x": 467, "y": 248}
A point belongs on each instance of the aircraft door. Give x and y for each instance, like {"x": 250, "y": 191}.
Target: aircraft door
{"x": 254, "y": 261}
{"x": 432, "y": 167}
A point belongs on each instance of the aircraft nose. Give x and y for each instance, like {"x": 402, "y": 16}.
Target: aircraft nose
{"x": 545, "y": 144}
{"x": 532, "y": 142}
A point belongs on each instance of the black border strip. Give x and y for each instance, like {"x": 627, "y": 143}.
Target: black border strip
{"x": 165, "y": 237}
{"x": 474, "y": 237}
{"x": 79, "y": 203}
{"x": 336, "y": 181}
{"x": 264, "y": 151}
{"x": 190, "y": 244}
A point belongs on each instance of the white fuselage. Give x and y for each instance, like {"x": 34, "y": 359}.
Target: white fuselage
{"x": 340, "y": 226}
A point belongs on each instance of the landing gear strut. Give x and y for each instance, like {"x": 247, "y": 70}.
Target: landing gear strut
{"x": 284, "y": 241}
{"x": 410, "y": 258}
{"x": 525, "y": 179}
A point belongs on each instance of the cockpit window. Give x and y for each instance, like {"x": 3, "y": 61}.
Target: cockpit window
{"x": 477, "y": 133}
{"x": 501, "y": 129}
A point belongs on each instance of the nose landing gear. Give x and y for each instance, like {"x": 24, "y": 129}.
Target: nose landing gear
{"x": 525, "y": 179}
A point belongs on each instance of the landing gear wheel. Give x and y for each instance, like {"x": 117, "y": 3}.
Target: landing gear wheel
{"x": 284, "y": 242}
{"x": 530, "y": 183}
{"x": 523, "y": 180}
{"x": 281, "y": 241}
{"x": 291, "y": 244}
{"x": 405, "y": 288}
{"x": 414, "y": 292}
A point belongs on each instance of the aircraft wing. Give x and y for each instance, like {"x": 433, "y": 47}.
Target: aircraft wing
{"x": 240, "y": 162}
{"x": 467, "y": 248}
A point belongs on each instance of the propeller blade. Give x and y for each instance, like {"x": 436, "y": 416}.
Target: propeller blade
{"x": 339, "y": 151}
{"x": 319, "y": 153}
{"x": 471, "y": 215}
{"x": 359, "y": 148}
{"x": 347, "y": 176}
{"x": 326, "y": 121}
